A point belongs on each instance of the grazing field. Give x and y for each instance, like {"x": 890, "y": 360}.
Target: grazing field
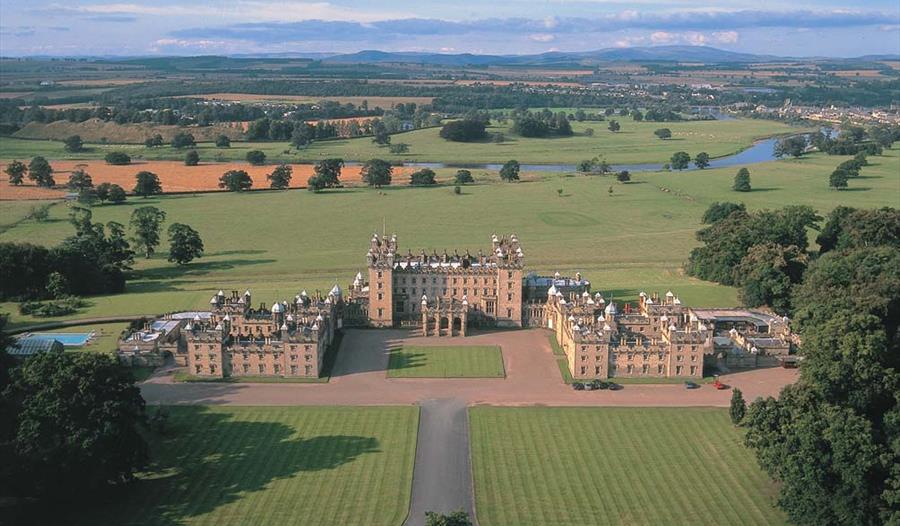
{"x": 615, "y": 466}
{"x": 99, "y": 131}
{"x": 463, "y": 361}
{"x": 336, "y": 466}
{"x": 635, "y": 143}
{"x": 277, "y": 243}
{"x": 374, "y": 102}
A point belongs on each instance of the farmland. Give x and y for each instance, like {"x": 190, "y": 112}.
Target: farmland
{"x": 574, "y": 466}
{"x": 277, "y": 243}
{"x": 635, "y": 143}
{"x": 465, "y": 361}
{"x": 266, "y": 465}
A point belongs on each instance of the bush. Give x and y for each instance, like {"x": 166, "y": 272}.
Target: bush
{"x": 117, "y": 158}
{"x": 222, "y": 141}
{"x": 457, "y": 190}
{"x": 742, "y": 181}
{"x": 183, "y": 140}
{"x": 73, "y": 143}
{"x": 192, "y": 158}
{"x": 256, "y": 157}
{"x": 663, "y": 133}
{"x": 51, "y": 309}
{"x": 235, "y": 181}
{"x": 423, "y": 177}
{"x": 464, "y": 177}
{"x": 465, "y": 130}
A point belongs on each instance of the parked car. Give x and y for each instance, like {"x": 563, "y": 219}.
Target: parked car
{"x": 615, "y": 387}
{"x": 691, "y": 385}
{"x": 600, "y": 384}
{"x": 590, "y": 386}
{"x": 578, "y": 386}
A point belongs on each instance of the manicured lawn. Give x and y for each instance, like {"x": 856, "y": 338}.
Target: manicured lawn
{"x": 612, "y": 466}
{"x": 462, "y": 361}
{"x": 106, "y": 335}
{"x": 635, "y": 143}
{"x": 635, "y": 239}
{"x": 272, "y": 466}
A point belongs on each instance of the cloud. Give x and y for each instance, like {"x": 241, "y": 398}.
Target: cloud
{"x": 542, "y": 37}
{"x": 119, "y": 19}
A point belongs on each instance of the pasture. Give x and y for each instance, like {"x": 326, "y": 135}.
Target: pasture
{"x": 272, "y": 466}
{"x": 277, "y": 243}
{"x": 635, "y": 143}
{"x": 615, "y": 466}
{"x": 461, "y": 361}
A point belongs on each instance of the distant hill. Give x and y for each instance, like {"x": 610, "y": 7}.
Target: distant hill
{"x": 646, "y": 54}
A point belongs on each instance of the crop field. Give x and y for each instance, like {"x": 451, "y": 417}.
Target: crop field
{"x": 104, "y": 132}
{"x": 462, "y": 361}
{"x": 383, "y": 102}
{"x": 272, "y": 466}
{"x": 277, "y": 243}
{"x": 615, "y": 466}
{"x": 635, "y": 143}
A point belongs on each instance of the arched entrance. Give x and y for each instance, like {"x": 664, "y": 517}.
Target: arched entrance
{"x": 457, "y": 325}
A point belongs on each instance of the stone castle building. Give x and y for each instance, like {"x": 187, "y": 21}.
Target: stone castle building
{"x": 446, "y": 295}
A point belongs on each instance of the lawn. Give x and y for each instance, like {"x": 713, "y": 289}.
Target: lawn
{"x": 273, "y": 466}
{"x": 635, "y": 143}
{"x": 461, "y": 361}
{"x": 277, "y": 243}
{"x": 611, "y": 466}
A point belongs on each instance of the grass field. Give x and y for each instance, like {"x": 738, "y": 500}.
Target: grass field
{"x": 105, "y": 335}
{"x": 463, "y": 361}
{"x": 634, "y": 144}
{"x": 615, "y": 466}
{"x": 277, "y": 243}
{"x": 271, "y": 466}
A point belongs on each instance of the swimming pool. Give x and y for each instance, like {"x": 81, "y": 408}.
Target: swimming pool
{"x": 68, "y": 339}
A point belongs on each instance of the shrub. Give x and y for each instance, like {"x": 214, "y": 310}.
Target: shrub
{"x": 256, "y": 157}
{"x": 423, "y": 177}
{"x": 117, "y": 158}
{"x": 235, "y": 181}
{"x": 183, "y": 140}
{"x": 73, "y": 143}
{"x": 465, "y": 130}
{"x": 222, "y": 141}
{"x": 192, "y": 158}
{"x": 464, "y": 177}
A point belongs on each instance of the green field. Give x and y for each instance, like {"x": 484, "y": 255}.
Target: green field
{"x": 615, "y": 466}
{"x": 277, "y": 243}
{"x": 106, "y": 335}
{"x": 272, "y": 466}
{"x": 462, "y": 361}
{"x": 635, "y": 143}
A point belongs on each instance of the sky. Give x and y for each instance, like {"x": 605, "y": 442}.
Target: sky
{"x": 838, "y": 28}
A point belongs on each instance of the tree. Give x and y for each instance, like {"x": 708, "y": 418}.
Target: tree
{"x": 73, "y": 143}
{"x": 680, "y": 160}
{"x": 147, "y": 184}
{"x": 738, "y": 406}
{"x": 767, "y": 275}
{"x": 280, "y": 178}
{"x": 718, "y": 211}
{"x": 256, "y": 157}
{"x": 465, "y": 130}
{"x": 57, "y": 285}
{"x": 183, "y": 140}
{"x": 838, "y": 179}
{"x": 399, "y": 148}
{"x": 329, "y": 172}
{"x": 423, "y": 177}
{"x": 184, "y": 244}
{"x": 72, "y": 426}
{"x": 116, "y": 194}
{"x": 315, "y": 184}
{"x": 79, "y": 180}
{"x": 118, "y": 158}
{"x": 39, "y": 213}
{"x": 742, "y": 181}
{"x": 377, "y": 172}
{"x": 794, "y": 146}
{"x": 701, "y": 160}
{"x": 623, "y": 176}
{"x": 146, "y": 223}
{"x": 849, "y": 228}
{"x": 637, "y": 115}
{"x": 585, "y": 166}
{"x": 456, "y": 518}
{"x": 192, "y": 158}
{"x": 380, "y": 133}
{"x": 510, "y": 171}
{"x": 155, "y": 141}
{"x": 614, "y": 126}
{"x": 235, "y": 181}
{"x": 464, "y": 177}
{"x": 16, "y": 171}
{"x": 663, "y": 133}
{"x": 40, "y": 171}
{"x": 222, "y": 141}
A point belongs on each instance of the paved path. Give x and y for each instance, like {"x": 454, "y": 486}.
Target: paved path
{"x": 442, "y": 478}
{"x": 360, "y": 378}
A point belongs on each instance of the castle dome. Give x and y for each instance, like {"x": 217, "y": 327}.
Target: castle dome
{"x": 610, "y": 309}
{"x": 277, "y": 308}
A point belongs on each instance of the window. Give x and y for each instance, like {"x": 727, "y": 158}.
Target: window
{"x": 246, "y": 368}
{"x": 212, "y": 368}
{"x": 293, "y": 369}
{"x": 380, "y": 285}
{"x": 630, "y": 369}
{"x": 277, "y": 369}
{"x": 693, "y": 370}
{"x": 659, "y": 369}
{"x": 508, "y": 297}
{"x": 262, "y": 369}
{"x": 197, "y": 369}
{"x": 645, "y": 369}
{"x": 583, "y": 370}
{"x": 379, "y": 274}
{"x": 583, "y": 357}
{"x": 198, "y": 357}
{"x": 380, "y": 296}
{"x": 694, "y": 358}
{"x": 597, "y": 370}
{"x": 380, "y": 312}
{"x": 308, "y": 357}
{"x": 509, "y": 313}
{"x": 679, "y": 369}
{"x": 307, "y": 370}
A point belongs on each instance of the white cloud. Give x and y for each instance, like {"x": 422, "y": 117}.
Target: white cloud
{"x": 725, "y": 37}
{"x": 542, "y": 37}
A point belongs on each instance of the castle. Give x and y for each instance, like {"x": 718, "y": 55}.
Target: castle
{"x": 446, "y": 295}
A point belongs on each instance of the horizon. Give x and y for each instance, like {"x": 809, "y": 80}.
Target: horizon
{"x": 833, "y": 28}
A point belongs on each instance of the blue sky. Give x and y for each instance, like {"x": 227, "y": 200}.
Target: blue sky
{"x": 184, "y": 27}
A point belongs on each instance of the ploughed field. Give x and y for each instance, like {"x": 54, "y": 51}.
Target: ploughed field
{"x": 615, "y": 466}
{"x": 635, "y": 143}
{"x": 336, "y": 466}
{"x": 460, "y": 361}
{"x": 277, "y": 243}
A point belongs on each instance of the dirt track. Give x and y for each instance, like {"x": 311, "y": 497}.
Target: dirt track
{"x": 532, "y": 379}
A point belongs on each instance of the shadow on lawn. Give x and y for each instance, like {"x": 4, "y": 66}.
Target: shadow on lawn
{"x": 186, "y": 482}
{"x": 405, "y": 360}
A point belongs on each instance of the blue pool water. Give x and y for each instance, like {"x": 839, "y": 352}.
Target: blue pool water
{"x": 68, "y": 339}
